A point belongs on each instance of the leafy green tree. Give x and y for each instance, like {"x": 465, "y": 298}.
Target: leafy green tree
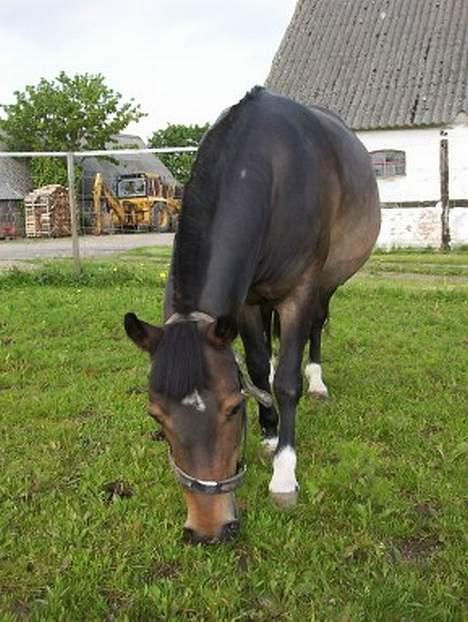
{"x": 178, "y": 135}
{"x": 64, "y": 114}
{"x": 46, "y": 171}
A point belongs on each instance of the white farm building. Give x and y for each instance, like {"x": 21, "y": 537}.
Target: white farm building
{"x": 397, "y": 72}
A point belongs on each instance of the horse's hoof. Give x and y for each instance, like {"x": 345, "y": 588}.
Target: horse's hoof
{"x": 285, "y": 499}
{"x": 321, "y": 396}
{"x": 270, "y": 444}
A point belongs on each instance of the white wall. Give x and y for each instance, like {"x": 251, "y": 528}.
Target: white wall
{"x": 421, "y": 226}
{"x": 458, "y": 162}
{"x": 459, "y": 226}
{"x": 421, "y": 182}
{"x": 410, "y": 227}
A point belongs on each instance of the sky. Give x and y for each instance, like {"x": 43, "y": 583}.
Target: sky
{"x": 184, "y": 61}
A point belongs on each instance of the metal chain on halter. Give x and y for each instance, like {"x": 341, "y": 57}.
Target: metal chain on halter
{"x": 263, "y": 397}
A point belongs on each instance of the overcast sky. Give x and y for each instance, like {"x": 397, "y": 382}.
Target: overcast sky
{"x": 183, "y": 60}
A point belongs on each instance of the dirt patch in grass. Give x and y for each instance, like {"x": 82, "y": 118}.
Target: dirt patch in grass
{"x": 243, "y": 560}
{"x": 137, "y": 390}
{"x": 418, "y": 548}
{"x": 21, "y": 610}
{"x": 432, "y": 429}
{"x": 87, "y": 413}
{"x": 117, "y": 601}
{"x": 163, "y": 570}
{"x": 427, "y": 509}
{"x": 7, "y": 341}
{"x": 23, "y": 597}
{"x": 117, "y": 489}
{"x": 157, "y": 436}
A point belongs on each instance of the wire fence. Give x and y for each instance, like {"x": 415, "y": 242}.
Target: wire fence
{"x": 82, "y": 216}
{"x": 423, "y": 185}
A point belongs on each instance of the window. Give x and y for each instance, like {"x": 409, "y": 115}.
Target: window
{"x": 389, "y": 163}
{"x": 131, "y": 188}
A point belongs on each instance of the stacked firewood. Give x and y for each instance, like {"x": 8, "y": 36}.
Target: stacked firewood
{"x": 47, "y": 212}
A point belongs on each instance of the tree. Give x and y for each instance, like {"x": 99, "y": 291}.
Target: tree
{"x": 178, "y": 135}
{"x": 65, "y": 114}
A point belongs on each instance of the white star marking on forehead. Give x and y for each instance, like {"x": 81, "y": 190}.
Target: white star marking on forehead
{"x": 195, "y": 401}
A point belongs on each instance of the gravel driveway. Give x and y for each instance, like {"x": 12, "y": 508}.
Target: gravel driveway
{"x": 13, "y": 252}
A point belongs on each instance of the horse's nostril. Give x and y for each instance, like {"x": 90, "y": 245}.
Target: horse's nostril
{"x": 230, "y": 531}
{"x": 192, "y": 537}
{"x": 189, "y": 536}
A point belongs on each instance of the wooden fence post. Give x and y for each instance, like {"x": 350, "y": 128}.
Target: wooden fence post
{"x": 444, "y": 194}
{"x": 73, "y": 212}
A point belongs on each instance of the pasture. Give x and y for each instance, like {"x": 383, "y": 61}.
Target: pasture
{"x": 91, "y": 516}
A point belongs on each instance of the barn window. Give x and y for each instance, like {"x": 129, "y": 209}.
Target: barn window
{"x": 389, "y": 163}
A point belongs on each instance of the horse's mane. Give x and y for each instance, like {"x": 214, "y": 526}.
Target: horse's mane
{"x": 201, "y": 194}
{"x": 180, "y": 366}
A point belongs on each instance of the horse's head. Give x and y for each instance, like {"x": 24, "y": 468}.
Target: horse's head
{"x": 195, "y": 394}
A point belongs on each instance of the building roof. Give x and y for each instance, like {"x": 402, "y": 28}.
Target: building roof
{"x": 111, "y": 167}
{"x": 377, "y": 63}
{"x": 15, "y": 179}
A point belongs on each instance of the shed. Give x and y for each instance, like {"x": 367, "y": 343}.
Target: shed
{"x": 15, "y": 183}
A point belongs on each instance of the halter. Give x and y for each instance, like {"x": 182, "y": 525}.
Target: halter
{"x": 212, "y": 487}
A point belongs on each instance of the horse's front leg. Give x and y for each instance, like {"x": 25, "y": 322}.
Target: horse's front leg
{"x": 257, "y": 356}
{"x": 295, "y": 330}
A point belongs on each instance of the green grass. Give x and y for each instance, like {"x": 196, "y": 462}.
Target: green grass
{"x": 440, "y": 264}
{"x": 380, "y": 529}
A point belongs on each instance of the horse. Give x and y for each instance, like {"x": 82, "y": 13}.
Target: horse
{"x": 280, "y": 209}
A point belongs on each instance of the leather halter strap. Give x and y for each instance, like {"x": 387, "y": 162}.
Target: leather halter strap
{"x": 212, "y": 487}
{"x": 208, "y": 487}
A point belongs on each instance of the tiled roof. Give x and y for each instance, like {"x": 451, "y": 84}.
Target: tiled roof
{"x": 377, "y": 63}
{"x": 121, "y": 165}
{"x": 15, "y": 179}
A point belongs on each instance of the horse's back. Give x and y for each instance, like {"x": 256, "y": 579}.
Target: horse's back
{"x": 323, "y": 185}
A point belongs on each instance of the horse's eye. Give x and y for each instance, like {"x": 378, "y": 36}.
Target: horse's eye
{"x": 155, "y": 413}
{"x": 235, "y": 410}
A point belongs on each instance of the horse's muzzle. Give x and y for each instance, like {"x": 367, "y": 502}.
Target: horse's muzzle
{"x": 228, "y": 532}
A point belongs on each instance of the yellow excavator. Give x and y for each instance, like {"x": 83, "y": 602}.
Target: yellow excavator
{"x": 143, "y": 202}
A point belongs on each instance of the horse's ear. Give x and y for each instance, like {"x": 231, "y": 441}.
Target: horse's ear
{"x": 222, "y": 332}
{"x": 146, "y": 336}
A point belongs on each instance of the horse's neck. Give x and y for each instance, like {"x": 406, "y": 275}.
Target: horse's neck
{"x": 235, "y": 239}
{"x": 227, "y": 281}
{"x": 218, "y": 244}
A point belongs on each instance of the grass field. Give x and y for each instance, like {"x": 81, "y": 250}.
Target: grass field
{"x": 90, "y": 515}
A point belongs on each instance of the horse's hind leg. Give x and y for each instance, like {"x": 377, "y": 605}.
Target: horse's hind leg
{"x": 313, "y": 370}
{"x": 257, "y": 352}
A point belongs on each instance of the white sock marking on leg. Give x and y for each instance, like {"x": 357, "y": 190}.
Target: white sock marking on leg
{"x": 284, "y": 471}
{"x": 313, "y": 373}
{"x": 270, "y": 444}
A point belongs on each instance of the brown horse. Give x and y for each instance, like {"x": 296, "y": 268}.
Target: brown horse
{"x": 281, "y": 208}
